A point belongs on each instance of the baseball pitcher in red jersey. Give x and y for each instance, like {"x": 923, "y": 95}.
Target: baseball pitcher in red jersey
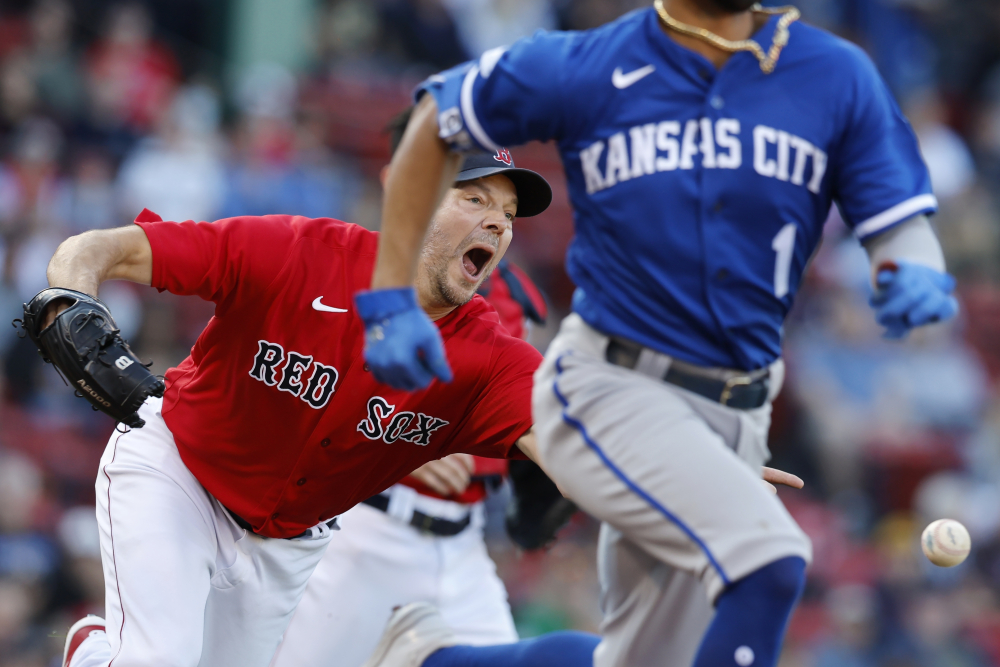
{"x": 215, "y": 513}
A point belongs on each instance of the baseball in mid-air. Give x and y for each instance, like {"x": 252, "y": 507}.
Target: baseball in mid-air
{"x": 945, "y": 542}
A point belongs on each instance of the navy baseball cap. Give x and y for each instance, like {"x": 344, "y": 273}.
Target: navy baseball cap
{"x": 533, "y": 192}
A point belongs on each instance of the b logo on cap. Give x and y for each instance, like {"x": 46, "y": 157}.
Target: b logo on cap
{"x": 503, "y": 155}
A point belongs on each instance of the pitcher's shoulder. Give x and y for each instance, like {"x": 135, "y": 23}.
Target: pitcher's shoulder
{"x": 336, "y": 233}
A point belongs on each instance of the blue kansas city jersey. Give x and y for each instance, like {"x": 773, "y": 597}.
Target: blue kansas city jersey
{"x": 699, "y": 194}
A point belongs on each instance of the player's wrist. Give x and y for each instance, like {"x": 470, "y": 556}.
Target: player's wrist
{"x": 78, "y": 279}
{"x": 911, "y": 275}
{"x": 379, "y": 304}
{"x": 391, "y": 274}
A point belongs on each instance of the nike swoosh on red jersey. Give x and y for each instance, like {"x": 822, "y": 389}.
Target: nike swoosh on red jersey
{"x": 318, "y": 305}
{"x": 622, "y": 81}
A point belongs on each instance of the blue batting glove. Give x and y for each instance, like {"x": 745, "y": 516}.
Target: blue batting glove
{"x": 911, "y": 295}
{"x": 403, "y": 348}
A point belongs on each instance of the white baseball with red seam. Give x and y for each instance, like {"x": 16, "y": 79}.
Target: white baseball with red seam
{"x": 946, "y": 542}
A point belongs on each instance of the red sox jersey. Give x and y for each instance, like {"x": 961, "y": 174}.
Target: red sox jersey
{"x": 274, "y": 411}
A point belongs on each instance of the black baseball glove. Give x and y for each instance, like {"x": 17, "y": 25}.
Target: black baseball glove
{"x": 84, "y": 344}
{"x": 537, "y": 511}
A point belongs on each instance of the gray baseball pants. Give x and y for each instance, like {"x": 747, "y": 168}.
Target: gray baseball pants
{"x": 675, "y": 480}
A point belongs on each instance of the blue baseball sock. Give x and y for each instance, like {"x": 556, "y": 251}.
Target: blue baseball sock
{"x": 751, "y": 616}
{"x": 567, "y": 648}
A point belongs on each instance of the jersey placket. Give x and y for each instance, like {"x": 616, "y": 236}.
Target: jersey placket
{"x": 713, "y": 213}
{"x": 711, "y": 205}
{"x": 709, "y": 216}
{"x": 718, "y": 165}
{"x": 320, "y": 453}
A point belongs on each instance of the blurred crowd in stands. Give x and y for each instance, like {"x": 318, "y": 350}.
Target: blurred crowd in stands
{"x": 109, "y": 108}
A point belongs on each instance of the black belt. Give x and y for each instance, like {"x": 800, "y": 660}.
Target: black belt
{"x": 424, "y": 522}
{"x": 735, "y": 389}
{"x": 245, "y": 525}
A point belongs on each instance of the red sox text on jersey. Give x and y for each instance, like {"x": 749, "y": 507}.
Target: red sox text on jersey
{"x": 285, "y": 372}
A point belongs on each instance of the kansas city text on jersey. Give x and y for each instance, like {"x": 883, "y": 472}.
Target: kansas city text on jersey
{"x": 670, "y": 145}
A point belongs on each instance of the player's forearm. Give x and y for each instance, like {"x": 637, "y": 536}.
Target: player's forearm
{"x": 911, "y": 241}
{"x": 85, "y": 261}
{"x": 421, "y": 172}
{"x": 528, "y": 445}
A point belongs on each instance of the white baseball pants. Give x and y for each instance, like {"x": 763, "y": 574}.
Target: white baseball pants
{"x": 675, "y": 479}
{"x": 185, "y": 586}
{"x": 379, "y": 561}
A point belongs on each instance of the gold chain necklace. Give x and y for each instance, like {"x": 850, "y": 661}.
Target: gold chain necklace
{"x": 767, "y": 61}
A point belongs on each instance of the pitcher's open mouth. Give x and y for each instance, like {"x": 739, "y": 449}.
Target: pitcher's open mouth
{"x": 475, "y": 260}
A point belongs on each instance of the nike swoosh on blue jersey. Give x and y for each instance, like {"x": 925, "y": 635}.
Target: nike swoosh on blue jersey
{"x": 623, "y": 81}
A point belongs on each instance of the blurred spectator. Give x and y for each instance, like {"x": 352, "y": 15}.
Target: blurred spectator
{"x": 24, "y": 553}
{"x": 18, "y": 96}
{"x": 86, "y": 199}
{"x": 585, "y": 14}
{"x": 947, "y": 156}
{"x": 485, "y": 24}
{"x": 28, "y": 187}
{"x": 131, "y": 76}
{"x": 422, "y": 31}
{"x": 987, "y": 125}
{"x": 983, "y": 454}
{"x": 280, "y": 165}
{"x": 53, "y": 62}
{"x": 81, "y": 544}
{"x": 349, "y": 33}
{"x": 178, "y": 172}
{"x": 16, "y": 611}
{"x": 934, "y": 623}
{"x": 28, "y": 558}
{"x": 898, "y": 41}
{"x": 973, "y": 502}
{"x": 853, "y": 610}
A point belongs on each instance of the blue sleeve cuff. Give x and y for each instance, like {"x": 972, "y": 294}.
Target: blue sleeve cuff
{"x": 925, "y": 203}
{"x": 458, "y": 124}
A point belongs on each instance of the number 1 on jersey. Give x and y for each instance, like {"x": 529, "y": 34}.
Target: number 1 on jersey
{"x": 783, "y": 244}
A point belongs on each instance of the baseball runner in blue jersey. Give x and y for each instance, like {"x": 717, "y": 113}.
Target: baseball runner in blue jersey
{"x": 704, "y": 142}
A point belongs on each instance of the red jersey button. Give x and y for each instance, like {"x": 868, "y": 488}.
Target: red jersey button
{"x": 325, "y": 442}
{"x": 301, "y": 481}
